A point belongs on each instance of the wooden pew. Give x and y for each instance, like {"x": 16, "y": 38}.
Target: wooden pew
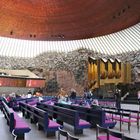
{"x": 17, "y": 125}
{"x": 66, "y": 115}
{"x": 40, "y": 117}
{"x": 91, "y": 115}
{"x": 124, "y": 116}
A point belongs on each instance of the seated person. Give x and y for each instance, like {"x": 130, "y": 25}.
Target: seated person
{"x": 61, "y": 93}
{"x": 29, "y": 94}
{"x": 87, "y": 94}
{"x": 95, "y": 105}
{"x": 8, "y": 98}
{"x": 95, "y": 102}
{"x": 73, "y": 94}
{"x": 40, "y": 99}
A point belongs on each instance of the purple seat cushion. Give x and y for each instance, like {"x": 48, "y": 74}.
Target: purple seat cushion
{"x": 53, "y": 124}
{"x": 127, "y": 120}
{"x": 105, "y": 138}
{"x": 116, "y": 118}
{"x": 47, "y": 102}
{"x": 83, "y": 122}
{"x": 108, "y": 116}
{"x": 108, "y": 121}
{"x": 20, "y": 124}
{"x": 75, "y": 104}
{"x": 135, "y": 116}
{"x": 32, "y": 103}
{"x": 21, "y": 127}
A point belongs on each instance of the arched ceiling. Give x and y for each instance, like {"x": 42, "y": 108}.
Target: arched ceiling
{"x": 121, "y": 42}
{"x": 66, "y": 19}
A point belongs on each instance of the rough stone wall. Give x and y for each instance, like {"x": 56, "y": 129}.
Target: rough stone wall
{"x": 67, "y": 70}
{"x": 17, "y": 90}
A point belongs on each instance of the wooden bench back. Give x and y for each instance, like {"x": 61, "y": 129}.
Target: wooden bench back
{"x": 9, "y": 115}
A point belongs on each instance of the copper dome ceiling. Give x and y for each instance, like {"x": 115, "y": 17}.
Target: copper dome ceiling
{"x": 66, "y": 19}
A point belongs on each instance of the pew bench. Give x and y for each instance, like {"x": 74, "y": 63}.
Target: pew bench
{"x": 123, "y": 118}
{"x": 91, "y": 115}
{"x": 17, "y": 125}
{"x": 40, "y": 117}
{"x": 68, "y": 116}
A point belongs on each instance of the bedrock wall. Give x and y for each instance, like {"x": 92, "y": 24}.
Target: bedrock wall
{"x": 67, "y": 70}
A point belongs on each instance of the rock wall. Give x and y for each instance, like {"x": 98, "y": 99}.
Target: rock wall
{"x": 67, "y": 70}
{"x": 17, "y": 90}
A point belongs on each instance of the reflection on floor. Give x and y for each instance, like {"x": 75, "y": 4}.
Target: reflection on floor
{"x": 89, "y": 134}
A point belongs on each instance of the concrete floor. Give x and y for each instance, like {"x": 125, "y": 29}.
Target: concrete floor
{"x": 89, "y": 134}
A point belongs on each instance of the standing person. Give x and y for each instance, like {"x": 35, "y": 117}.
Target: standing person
{"x": 118, "y": 98}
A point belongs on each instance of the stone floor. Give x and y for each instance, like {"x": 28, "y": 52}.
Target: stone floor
{"x": 89, "y": 134}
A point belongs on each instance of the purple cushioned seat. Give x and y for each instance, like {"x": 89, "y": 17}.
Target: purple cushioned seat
{"x": 127, "y": 120}
{"x": 32, "y": 103}
{"x": 21, "y": 127}
{"x": 116, "y": 118}
{"x": 110, "y": 138}
{"x": 17, "y": 119}
{"x": 83, "y": 122}
{"x": 135, "y": 116}
{"x": 48, "y": 102}
{"x": 124, "y": 119}
{"x": 75, "y": 104}
{"x": 108, "y": 121}
{"x": 20, "y": 124}
{"x": 108, "y": 115}
{"x": 53, "y": 124}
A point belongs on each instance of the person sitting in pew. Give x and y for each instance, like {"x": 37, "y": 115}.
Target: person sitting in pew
{"x": 87, "y": 94}
{"x": 61, "y": 93}
{"x": 95, "y": 102}
{"x": 29, "y": 94}
{"x": 73, "y": 94}
{"x": 40, "y": 99}
{"x": 95, "y": 105}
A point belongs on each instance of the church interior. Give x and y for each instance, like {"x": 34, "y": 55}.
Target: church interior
{"x": 70, "y": 70}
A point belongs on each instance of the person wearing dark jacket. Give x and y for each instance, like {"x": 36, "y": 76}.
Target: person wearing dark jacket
{"x": 73, "y": 94}
{"x": 118, "y": 98}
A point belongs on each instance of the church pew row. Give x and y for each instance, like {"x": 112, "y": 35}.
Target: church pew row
{"x": 39, "y": 117}
{"x": 66, "y": 115}
{"x": 110, "y": 135}
{"x": 91, "y": 115}
{"x": 110, "y": 113}
{"x": 123, "y": 116}
{"x": 133, "y": 113}
{"x": 17, "y": 125}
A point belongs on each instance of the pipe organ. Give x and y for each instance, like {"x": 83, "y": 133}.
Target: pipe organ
{"x": 106, "y": 71}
